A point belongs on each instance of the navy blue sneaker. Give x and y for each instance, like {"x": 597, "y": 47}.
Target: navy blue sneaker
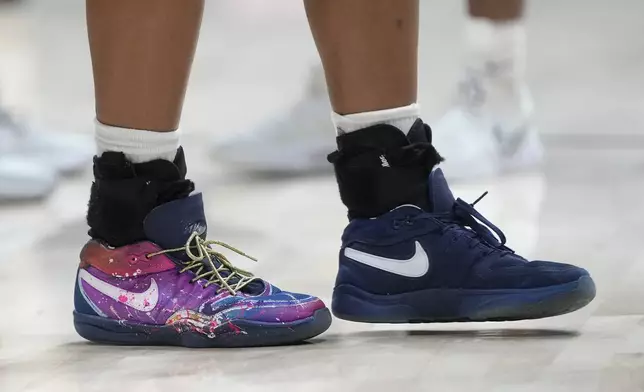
{"x": 446, "y": 263}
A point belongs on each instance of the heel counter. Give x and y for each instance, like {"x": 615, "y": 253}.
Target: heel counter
{"x": 344, "y": 275}
{"x": 81, "y": 304}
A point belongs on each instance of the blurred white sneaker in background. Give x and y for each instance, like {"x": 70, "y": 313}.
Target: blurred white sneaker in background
{"x": 24, "y": 180}
{"x": 468, "y": 151}
{"x": 295, "y": 143}
{"x": 64, "y": 153}
{"x": 490, "y": 130}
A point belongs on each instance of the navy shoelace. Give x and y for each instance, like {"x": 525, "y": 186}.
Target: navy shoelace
{"x": 465, "y": 221}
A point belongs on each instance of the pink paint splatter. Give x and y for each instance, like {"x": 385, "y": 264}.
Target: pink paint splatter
{"x": 235, "y": 328}
{"x": 123, "y": 298}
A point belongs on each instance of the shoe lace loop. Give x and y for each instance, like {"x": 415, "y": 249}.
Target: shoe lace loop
{"x": 214, "y": 267}
{"x": 466, "y": 212}
{"x": 463, "y": 214}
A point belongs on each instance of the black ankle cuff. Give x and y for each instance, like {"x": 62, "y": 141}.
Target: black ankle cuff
{"x": 123, "y": 193}
{"x": 379, "y": 168}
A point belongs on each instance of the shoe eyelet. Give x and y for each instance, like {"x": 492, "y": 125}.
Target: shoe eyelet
{"x": 133, "y": 260}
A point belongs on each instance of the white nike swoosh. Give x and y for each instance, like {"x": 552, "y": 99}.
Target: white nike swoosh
{"x": 144, "y": 302}
{"x": 415, "y": 267}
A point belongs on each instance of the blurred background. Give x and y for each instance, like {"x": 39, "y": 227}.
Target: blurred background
{"x": 585, "y": 69}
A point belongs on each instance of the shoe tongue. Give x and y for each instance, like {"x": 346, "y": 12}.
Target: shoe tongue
{"x": 440, "y": 195}
{"x": 171, "y": 224}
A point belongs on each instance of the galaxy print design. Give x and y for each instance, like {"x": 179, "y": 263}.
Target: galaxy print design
{"x": 127, "y": 261}
{"x": 124, "y": 284}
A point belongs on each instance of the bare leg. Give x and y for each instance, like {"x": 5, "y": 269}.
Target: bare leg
{"x": 369, "y": 49}
{"x": 141, "y": 54}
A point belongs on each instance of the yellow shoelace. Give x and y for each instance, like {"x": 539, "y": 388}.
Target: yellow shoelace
{"x": 202, "y": 264}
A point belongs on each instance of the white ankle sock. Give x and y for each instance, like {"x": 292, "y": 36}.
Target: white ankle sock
{"x": 137, "y": 145}
{"x": 402, "y": 118}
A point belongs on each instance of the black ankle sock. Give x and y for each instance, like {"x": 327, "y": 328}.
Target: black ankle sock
{"x": 379, "y": 168}
{"x": 123, "y": 193}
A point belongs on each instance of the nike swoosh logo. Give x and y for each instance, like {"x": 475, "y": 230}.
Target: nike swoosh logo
{"x": 414, "y": 267}
{"x": 144, "y": 302}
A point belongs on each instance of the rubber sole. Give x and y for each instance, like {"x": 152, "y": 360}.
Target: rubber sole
{"x": 456, "y": 305}
{"x": 239, "y": 333}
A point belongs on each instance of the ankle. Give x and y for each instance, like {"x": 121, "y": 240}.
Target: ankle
{"x": 123, "y": 193}
{"x": 380, "y": 168}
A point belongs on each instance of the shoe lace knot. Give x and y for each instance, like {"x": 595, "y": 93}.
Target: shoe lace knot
{"x": 469, "y": 223}
{"x": 210, "y": 265}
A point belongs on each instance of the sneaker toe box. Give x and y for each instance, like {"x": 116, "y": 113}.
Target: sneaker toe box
{"x": 284, "y": 307}
{"x": 281, "y": 307}
{"x": 526, "y": 275}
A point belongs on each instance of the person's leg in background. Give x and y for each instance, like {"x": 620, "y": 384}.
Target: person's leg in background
{"x": 411, "y": 252}
{"x": 493, "y": 108}
{"x": 148, "y": 275}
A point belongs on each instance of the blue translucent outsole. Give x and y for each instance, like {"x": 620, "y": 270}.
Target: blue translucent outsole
{"x": 457, "y": 305}
{"x": 241, "y": 333}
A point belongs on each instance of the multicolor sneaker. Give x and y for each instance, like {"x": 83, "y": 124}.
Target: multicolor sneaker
{"x": 176, "y": 289}
{"x": 429, "y": 257}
